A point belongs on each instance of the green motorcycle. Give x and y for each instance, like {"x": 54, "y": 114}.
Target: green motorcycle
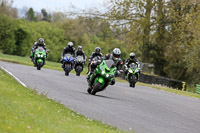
{"x": 102, "y": 76}
{"x": 133, "y": 74}
{"x": 40, "y": 57}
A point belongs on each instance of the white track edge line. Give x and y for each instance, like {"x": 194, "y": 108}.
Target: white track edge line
{"x": 14, "y": 76}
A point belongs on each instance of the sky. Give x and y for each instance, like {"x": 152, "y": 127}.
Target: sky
{"x": 57, "y": 5}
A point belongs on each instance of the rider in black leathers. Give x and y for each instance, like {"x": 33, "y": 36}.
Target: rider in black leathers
{"x": 93, "y": 55}
{"x": 80, "y": 52}
{"x": 130, "y": 60}
{"x": 40, "y": 43}
{"x": 115, "y": 56}
{"x": 68, "y": 50}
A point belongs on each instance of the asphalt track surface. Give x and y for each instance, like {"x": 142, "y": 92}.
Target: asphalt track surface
{"x": 141, "y": 109}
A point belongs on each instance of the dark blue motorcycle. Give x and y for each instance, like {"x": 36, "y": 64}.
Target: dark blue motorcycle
{"x": 68, "y": 63}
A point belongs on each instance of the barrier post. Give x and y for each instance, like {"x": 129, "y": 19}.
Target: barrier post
{"x": 183, "y": 86}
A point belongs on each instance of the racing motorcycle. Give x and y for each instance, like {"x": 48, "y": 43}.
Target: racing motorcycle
{"x": 68, "y": 62}
{"x": 79, "y": 64}
{"x": 133, "y": 74}
{"x": 40, "y": 57}
{"x": 102, "y": 76}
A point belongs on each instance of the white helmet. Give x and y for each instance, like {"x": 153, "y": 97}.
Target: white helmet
{"x": 70, "y": 44}
{"x": 116, "y": 54}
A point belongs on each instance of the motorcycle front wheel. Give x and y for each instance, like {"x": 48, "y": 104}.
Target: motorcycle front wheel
{"x": 39, "y": 66}
{"x": 96, "y": 88}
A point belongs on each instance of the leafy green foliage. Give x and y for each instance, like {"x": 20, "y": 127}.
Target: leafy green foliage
{"x": 30, "y": 15}
{"x": 164, "y": 33}
{"x": 7, "y": 36}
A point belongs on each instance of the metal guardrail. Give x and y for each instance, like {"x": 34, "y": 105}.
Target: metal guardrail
{"x": 150, "y": 79}
{"x": 198, "y": 88}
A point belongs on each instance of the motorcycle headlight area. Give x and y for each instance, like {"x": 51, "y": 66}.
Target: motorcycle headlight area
{"x": 130, "y": 71}
{"x": 102, "y": 72}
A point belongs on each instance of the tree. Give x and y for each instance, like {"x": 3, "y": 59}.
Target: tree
{"x": 131, "y": 13}
{"x": 20, "y": 36}
{"x": 59, "y": 17}
{"x": 7, "y": 9}
{"x": 7, "y": 37}
{"x": 30, "y": 15}
{"x": 183, "y": 40}
{"x": 160, "y": 37}
{"x": 46, "y": 16}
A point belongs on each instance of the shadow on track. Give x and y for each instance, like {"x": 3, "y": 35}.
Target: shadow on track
{"x": 101, "y": 96}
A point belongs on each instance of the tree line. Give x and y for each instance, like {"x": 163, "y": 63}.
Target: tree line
{"x": 163, "y": 32}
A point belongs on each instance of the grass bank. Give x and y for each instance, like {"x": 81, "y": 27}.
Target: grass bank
{"x": 23, "y": 110}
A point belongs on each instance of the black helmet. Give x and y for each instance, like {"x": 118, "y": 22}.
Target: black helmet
{"x": 41, "y": 41}
{"x": 97, "y": 50}
{"x": 70, "y": 44}
{"x": 80, "y": 48}
{"x": 132, "y": 56}
{"x": 116, "y": 54}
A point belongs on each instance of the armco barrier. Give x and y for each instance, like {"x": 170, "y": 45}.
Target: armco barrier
{"x": 150, "y": 79}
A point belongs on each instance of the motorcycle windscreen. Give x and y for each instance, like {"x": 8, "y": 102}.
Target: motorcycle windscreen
{"x": 110, "y": 63}
{"x": 40, "y": 49}
{"x": 79, "y": 58}
{"x": 133, "y": 66}
{"x": 67, "y": 57}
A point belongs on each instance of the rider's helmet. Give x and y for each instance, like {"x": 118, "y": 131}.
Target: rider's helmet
{"x": 40, "y": 41}
{"x": 132, "y": 56}
{"x": 97, "y": 50}
{"x": 116, "y": 54}
{"x": 70, "y": 44}
{"x": 80, "y": 48}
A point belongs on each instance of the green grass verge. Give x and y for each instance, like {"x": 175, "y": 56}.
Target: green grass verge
{"x": 56, "y": 66}
{"x": 23, "y": 110}
{"x": 159, "y": 87}
{"x": 27, "y": 61}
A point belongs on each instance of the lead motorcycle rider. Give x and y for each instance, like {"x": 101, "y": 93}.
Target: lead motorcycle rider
{"x": 115, "y": 56}
{"x": 39, "y": 43}
{"x": 130, "y": 60}
{"x": 69, "y": 49}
